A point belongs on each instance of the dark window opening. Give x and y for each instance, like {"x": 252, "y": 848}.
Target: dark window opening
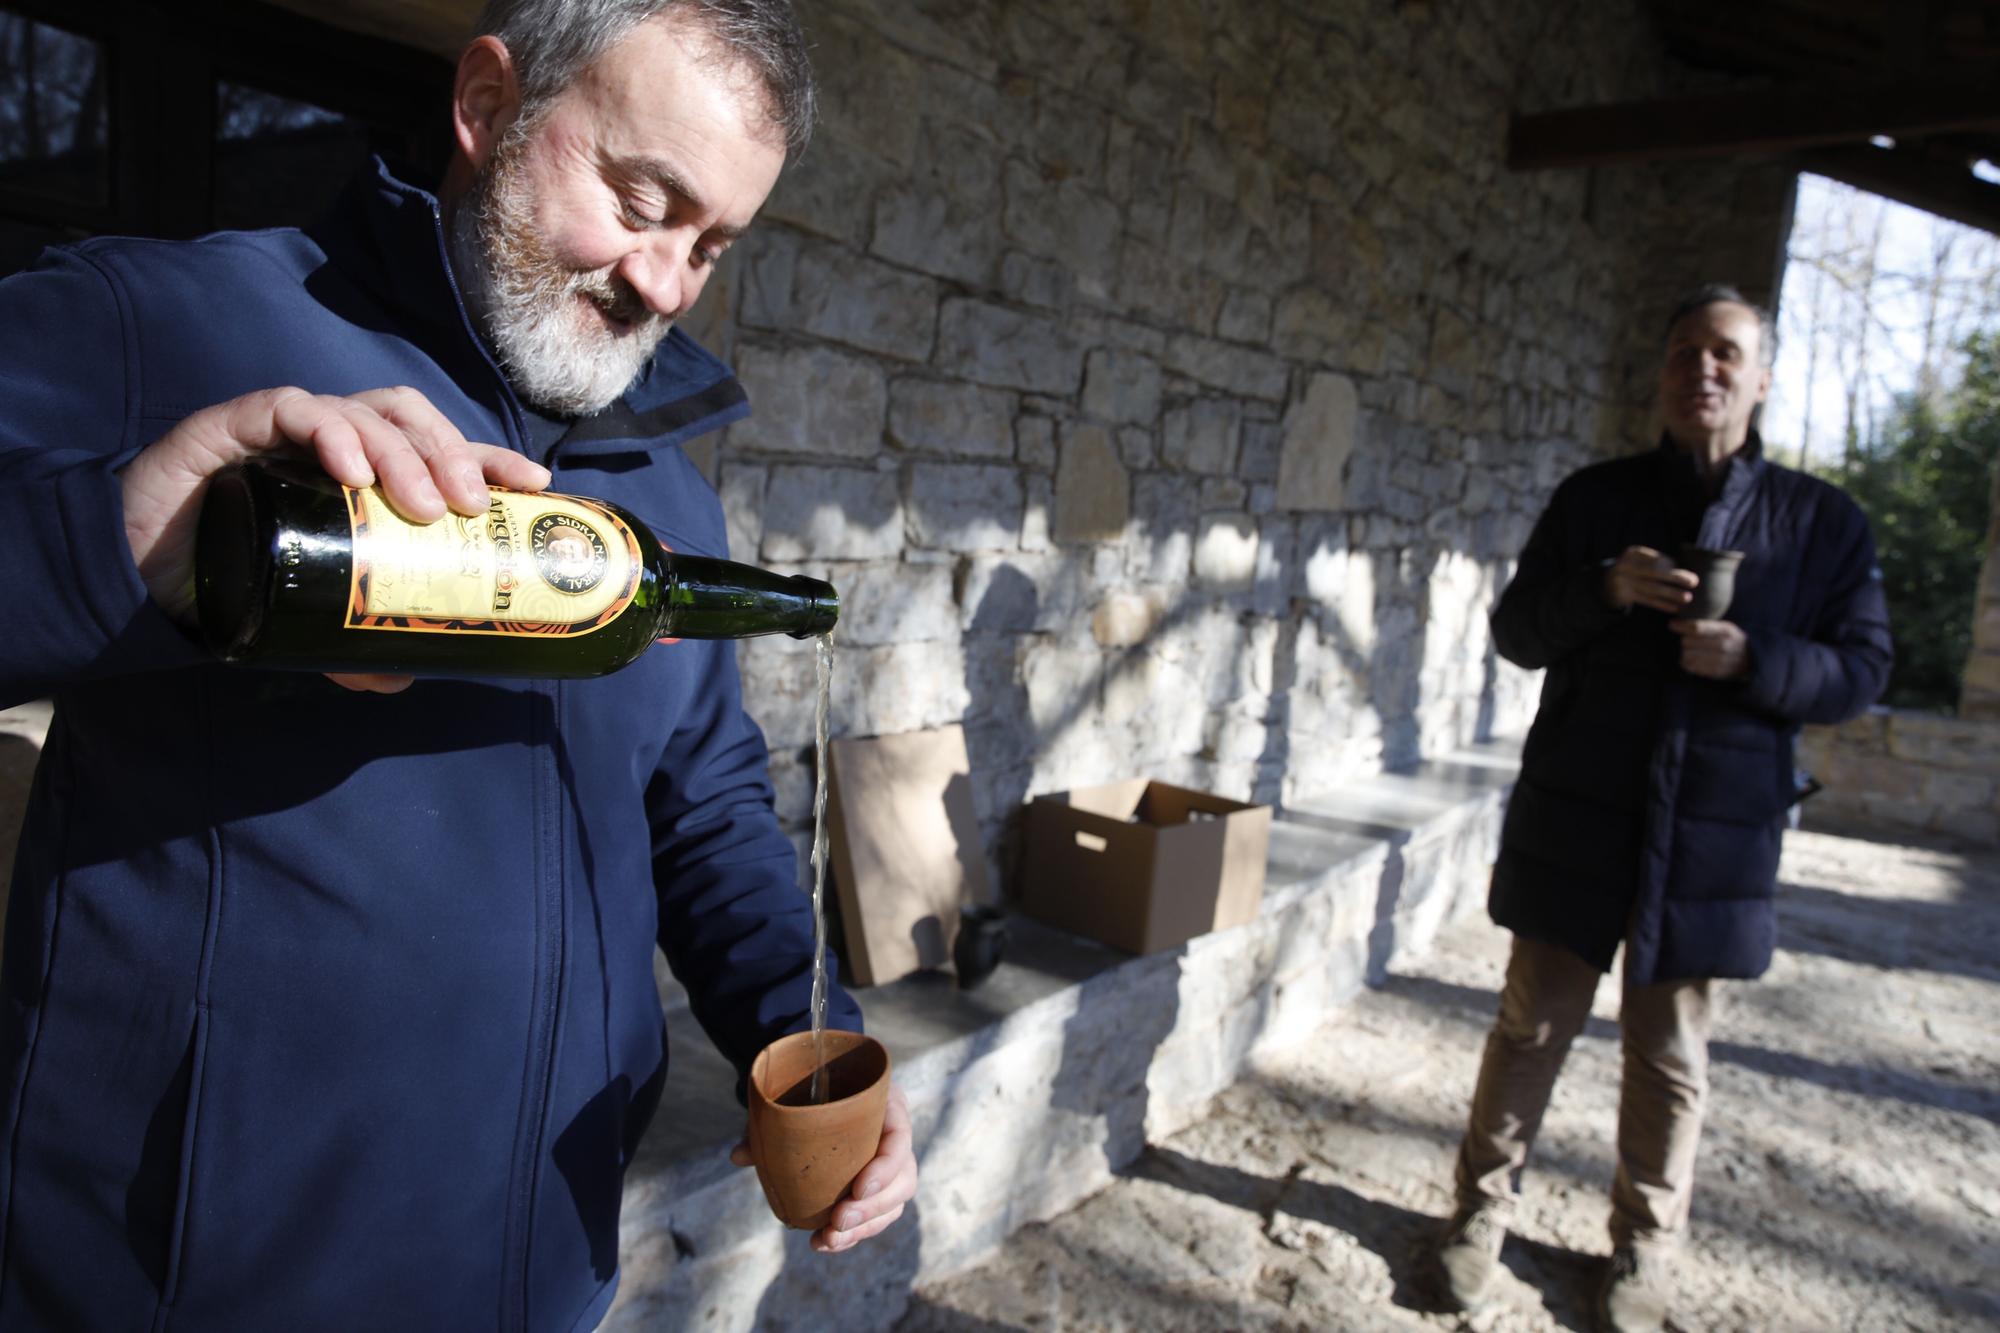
{"x": 131, "y": 117}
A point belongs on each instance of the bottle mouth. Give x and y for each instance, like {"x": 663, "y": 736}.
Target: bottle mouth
{"x": 824, "y": 610}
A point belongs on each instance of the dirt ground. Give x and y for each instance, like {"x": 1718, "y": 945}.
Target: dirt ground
{"x": 1849, "y": 1177}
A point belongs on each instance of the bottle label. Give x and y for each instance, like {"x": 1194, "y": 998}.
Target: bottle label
{"x": 532, "y": 564}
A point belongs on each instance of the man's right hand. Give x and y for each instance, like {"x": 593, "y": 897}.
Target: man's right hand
{"x": 394, "y": 436}
{"x": 1643, "y": 577}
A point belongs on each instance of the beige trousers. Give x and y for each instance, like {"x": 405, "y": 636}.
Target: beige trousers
{"x": 1665, "y": 1038}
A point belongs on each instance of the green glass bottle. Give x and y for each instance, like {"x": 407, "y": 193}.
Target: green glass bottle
{"x": 295, "y": 571}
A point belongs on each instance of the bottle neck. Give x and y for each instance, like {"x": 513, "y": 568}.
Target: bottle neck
{"x": 703, "y": 598}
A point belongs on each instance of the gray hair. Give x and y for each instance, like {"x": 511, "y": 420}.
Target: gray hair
{"x": 1721, "y": 293}
{"x": 554, "y": 41}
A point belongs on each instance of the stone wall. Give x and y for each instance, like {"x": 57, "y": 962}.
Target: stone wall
{"x": 1891, "y": 768}
{"x": 1168, "y": 387}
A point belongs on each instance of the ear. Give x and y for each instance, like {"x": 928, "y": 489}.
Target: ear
{"x": 1763, "y": 383}
{"x": 485, "y": 97}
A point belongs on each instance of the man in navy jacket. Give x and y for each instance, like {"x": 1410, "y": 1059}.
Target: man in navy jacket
{"x": 1655, "y": 781}
{"x": 329, "y": 1003}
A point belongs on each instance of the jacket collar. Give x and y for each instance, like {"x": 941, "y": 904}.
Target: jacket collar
{"x": 1718, "y": 513}
{"x": 388, "y": 236}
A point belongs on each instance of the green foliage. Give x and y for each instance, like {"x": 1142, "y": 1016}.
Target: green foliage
{"x": 1925, "y": 486}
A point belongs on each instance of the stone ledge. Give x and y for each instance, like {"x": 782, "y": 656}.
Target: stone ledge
{"x": 1029, "y": 1093}
{"x": 1894, "y": 770}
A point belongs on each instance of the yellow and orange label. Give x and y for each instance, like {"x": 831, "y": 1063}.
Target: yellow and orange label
{"x": 532, "y": 564}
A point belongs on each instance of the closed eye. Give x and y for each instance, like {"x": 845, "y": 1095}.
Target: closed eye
{"x": 635, "y": 217}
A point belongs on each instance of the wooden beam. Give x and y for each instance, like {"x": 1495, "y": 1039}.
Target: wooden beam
{"x": 1936, "y": 185}
{"x": 1770, "y": 120}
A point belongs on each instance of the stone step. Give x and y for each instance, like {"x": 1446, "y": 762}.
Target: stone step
{"x": 1031, "y": 1091}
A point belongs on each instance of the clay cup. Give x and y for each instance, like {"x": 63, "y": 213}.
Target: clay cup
{"x": 1717, "y": 572}
{"x": 808, "y": 1155}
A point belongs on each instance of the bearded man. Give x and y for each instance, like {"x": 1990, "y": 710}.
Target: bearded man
{"x": 330, "y": 1001}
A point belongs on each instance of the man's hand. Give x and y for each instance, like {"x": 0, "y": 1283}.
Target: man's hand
{"x": 877, "y": 1196}
{"x": 1643, "y": 577}
{"x": 1714, "y": 649}
{"x": 394, "y": 436}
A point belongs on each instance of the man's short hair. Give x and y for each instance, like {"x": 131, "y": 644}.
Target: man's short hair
{"x": 1717, "y": 293}
{"x": 554, "y": 41}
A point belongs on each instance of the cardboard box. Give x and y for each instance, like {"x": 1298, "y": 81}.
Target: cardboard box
{"x": 1142, "y": 865}
{"x": 904, "y": 850}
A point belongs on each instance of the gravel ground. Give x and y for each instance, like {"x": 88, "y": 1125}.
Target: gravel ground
{"x": 1849, "y": 1178}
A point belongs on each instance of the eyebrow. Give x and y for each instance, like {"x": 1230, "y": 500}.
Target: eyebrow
{"x": 662, "y": 173}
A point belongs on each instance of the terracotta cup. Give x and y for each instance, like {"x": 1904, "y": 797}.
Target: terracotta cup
{"x": 1717, "y": 572}
{"x": 808, "y": 1155}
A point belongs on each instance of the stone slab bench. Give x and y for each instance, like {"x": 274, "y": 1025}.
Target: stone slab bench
{"x": 1029, "y": 1092}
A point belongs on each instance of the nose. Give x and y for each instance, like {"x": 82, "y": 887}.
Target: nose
{"x": 658, "y": 271}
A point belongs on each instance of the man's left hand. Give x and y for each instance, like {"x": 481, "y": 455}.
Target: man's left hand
{"x": 876, "y": 1198}
{"x": 1714, "y": 649}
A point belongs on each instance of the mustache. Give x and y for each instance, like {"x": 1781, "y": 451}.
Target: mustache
{"x": 616, "y": 299}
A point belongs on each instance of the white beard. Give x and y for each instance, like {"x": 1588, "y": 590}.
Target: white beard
{"x": 557, "y": 352}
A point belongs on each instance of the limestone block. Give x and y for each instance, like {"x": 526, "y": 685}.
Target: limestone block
{"x": 779, "y": 689}
{"x": 1263, "y": 444}
{"x": 1093, "y": 500}
{"x": 1245, "y": 317}
{"x": 1309, "y": 323}
{"x": 1020, "y": 593}
{"x": 742, "y": 494}
{"x": 1276, "y": 562}
{"x": 1202, "y": 436}
{"x": 1035, "y": 443}
{"x": 1242, "y": 371}
{"x": 964, "y": 507}
{"x": 919, "y": 226}
{"x": 828, "y": 191}
{"x": 897, "y": 688}
{"x": 992, "y": 344}
{"x": 1135, "y": 447}
{"x": 1223, "y": 493}
{"x": 1157, "y": 280}
{"x": 1945, "y": 742}
{"x": 798, "y": 285}
{"x": 1146, "y": 697}
{"x": 1319, "y": 439}
{"x": 873, "y": 84}
{"x": 1035, "y": 520}
{"x": 1035, "y": 280}
{"x": 1123, "y": 619}
{"x": 1980, "y": 826}
{"x": 1957, "y": 791}
{"x": 1907, "y": 812}
{"x": 1869, "y": 731}
{"x": 1164, "y": 511}
{"x": 1061, "y": 685}
{"x": 1069, "y": 221}
{"x": 1889, "y": 779}
{"x": 957, "y": 420}
{"x": 1121, "y": 386}
{"x": 1982, "y": 673}
{"x": 1225, "y": 552}
{"x": 792, "y": 786}
{"x": 831, "y": 513}
{"x": 810, "y": 400}
{"x": 894, "y": 602}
